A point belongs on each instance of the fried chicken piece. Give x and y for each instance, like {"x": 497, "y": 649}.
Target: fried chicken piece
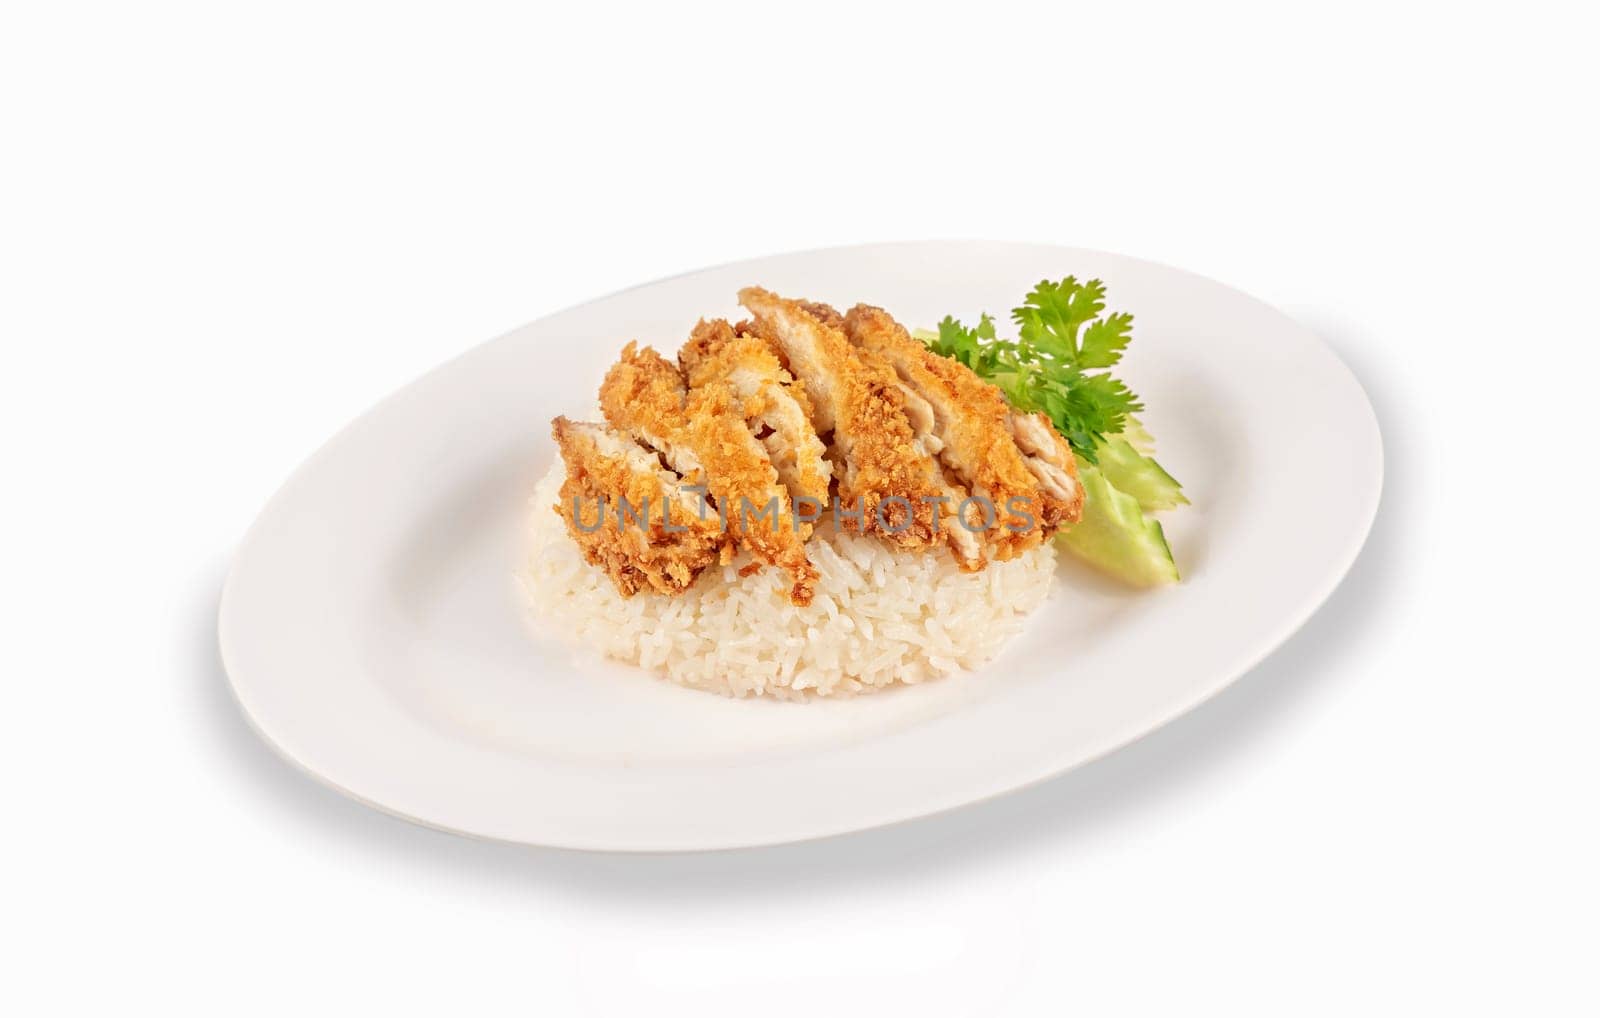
{"x": 962, "y": 532}
{"x": 1049, "y": 458}
{"x": 776, "y": 410}
{"x": 643, "y": 395}
{"x": 971, "y": 423}
{"x": 884, "y": 468}
{"x": 701, "y": 433}
{"x": 656, "y": 540}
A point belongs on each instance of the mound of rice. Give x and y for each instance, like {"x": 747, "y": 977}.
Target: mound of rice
{"x": 880, "y": 616}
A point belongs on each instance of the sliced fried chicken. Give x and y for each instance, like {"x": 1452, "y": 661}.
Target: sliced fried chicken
{"x": 760, "y": 415}
{"x": 962, "y": 531}
{"x": 1049, "y": 458}
{"x": 701, "y": 433}
{"x": 885, "y": 470}
{"x": 656, "y": 540}
{"x": 971, "y": 426}
{"x": 776, "y": 410}
{"x": 643, "y": 395}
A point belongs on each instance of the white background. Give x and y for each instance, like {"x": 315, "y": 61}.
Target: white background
{"x": 226, "y": 229}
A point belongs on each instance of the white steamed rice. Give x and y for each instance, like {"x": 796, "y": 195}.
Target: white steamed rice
{"x": 880, "y": 616}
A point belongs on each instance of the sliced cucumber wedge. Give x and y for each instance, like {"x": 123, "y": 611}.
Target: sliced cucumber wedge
{"x": 1127, "y": 469}
{"x": 1138, "y": 436}
{"x": 1116, "y": 537}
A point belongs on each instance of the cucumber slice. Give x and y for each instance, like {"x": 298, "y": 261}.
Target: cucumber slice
{"x": 1128, "y": 470}
{"x": 1116, "y": 537}
{"x": 1134, "y": 431}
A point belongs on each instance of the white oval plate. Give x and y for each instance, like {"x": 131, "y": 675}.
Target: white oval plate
{"x": 373, "y": 631}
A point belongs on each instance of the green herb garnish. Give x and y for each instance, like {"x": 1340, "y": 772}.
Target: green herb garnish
{"x": 1057, "y": 362}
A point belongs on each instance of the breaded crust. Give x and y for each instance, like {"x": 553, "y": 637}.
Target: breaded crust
{"x": 776, "y": 409}
{"x": 884, "y": 469}
{"x": 605, "y": 467}
{"x": 643, "y": 395}
{"x": 1049, "y": 458}
{"x": 784, "y": 406}
{"x": 702, "y": 434}
{"x": 970, "y": 421}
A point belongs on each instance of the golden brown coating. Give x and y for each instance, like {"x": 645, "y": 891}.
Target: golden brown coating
{"x": 970, "y": 420}
{"x": 756, "y": 416}
{"x": 962, "y": 532}
{"x": 776, "y": 410}
{"x": 1049, "y": 458}
{"x": 657, "y": 540}
{"x": 701, "y": 433}
{"x": 886, "y": 471}
{"x": 643, "y": 395}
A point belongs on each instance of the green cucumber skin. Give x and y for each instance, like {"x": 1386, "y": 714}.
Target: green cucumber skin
{"x": 1130, "y": 471}
{"x": 1117, "y": 538}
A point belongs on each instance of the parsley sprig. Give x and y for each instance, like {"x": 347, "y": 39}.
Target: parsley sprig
{"x": 1057, "y": 363}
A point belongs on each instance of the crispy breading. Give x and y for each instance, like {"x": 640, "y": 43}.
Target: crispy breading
{"x": 782, "y": 406}
{"x": 1050, "y": 459}
{"x": 970, "y": 422}
{"x": 885, "y": 471}
{"x": 643, "y": 395}
{"x": 657, "y": 540}
{"x": 962, "y": 532}
{"x": 701, "y": 433}
{"x": 776, "y": 410}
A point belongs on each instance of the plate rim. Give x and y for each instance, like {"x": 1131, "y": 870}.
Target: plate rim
{"x": 1316, "y": 596}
